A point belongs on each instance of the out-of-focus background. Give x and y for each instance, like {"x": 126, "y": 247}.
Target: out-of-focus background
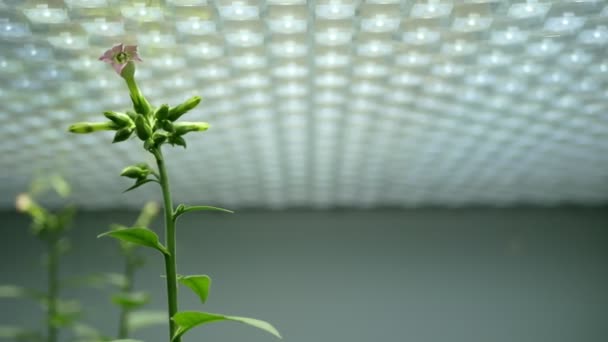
{"x": 401, "y": 170}
{"x": 422, "y": 275}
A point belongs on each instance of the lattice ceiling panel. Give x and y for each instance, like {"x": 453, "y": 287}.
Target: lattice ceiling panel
{"x": 318, "y": 103}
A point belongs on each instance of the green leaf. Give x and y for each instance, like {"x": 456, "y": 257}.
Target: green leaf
{"x": 182, "y": 209}
{"x": 142, "y": 319}
{"x": 131, "y": 300}
{"x": 187, "y": 320}
{"x": 126, "y": 340}
{"x": 140, "y": 183}
{"x": 139, "y": 236}
{"x": 199, "y": 284}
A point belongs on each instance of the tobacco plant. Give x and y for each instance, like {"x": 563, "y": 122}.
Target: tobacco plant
{"x": 50, "y": 228}
{"x": 158, "y": 127}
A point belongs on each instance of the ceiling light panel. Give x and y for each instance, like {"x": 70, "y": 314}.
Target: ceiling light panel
{"x": 325, "y": 103}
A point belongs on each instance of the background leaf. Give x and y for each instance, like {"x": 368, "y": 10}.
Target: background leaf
{"x": 142, "y": 319}
{"x": 187, "y": 320}
{"x": 14, "y": 291}
{"x": 139, "y": 236}
{"x": 131, "y": 300}
{"x": 200, "y": 284}
{"x": 67, "y": 312}
{"x": 84, "y": 332}
{"x": 19, "y": 334}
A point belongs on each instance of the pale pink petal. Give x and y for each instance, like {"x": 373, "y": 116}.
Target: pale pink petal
{"x": 107, "y": 56}
{"x": 117, "y": 48}
{"x": 118, "y": 67}
{"x": 131, "y": 51}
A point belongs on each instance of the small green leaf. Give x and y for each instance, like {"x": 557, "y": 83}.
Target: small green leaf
{"x": 140, "y": 183}
{"x": 177, "y": 140}
{"x": 182, "y": 209}
{"x": 139, "y": 236}
{"x": 200, "y": 284}
{"x": 131, "y": 300}
{"x": 187, "y": 320}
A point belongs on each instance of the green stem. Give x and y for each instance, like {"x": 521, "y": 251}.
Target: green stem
{"x": 140, "y": 103}
{"x": 123, "y": 328}
{"x": 53, "y": 288}
{"x": 170, "y": 264}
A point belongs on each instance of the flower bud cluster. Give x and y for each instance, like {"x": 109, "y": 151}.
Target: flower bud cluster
{"x": 154, "y": 126}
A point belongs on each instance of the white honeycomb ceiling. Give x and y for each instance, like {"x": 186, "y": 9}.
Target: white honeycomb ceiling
{"x": 318, "y": 103}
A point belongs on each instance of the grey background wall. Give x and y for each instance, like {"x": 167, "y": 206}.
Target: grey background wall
{"x": 526, "y": 275}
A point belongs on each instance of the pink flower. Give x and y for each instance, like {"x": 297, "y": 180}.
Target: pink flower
{"x": 119, "y": 55}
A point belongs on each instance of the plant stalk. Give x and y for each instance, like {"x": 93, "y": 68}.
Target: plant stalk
{"x": 123, "y": 328}
{"x": 53, "y": 288}
{"x": 170, "y": 260}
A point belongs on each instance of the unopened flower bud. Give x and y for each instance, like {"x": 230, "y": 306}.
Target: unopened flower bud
{"x": 162, "y": 113}
{"x": 143, "y": 130}
{"x": 123, "y": 134}
{"x": 121, "y": 119}
{"x": 134, "y": 172}
{"x": 167, "y": 125}
{"x": 182, "y": 128}
{"x": 179, "y": 110}
{"x": 132, "y": 115}
{"x": 89, "y": 127}
{"x": 23, "y": 202}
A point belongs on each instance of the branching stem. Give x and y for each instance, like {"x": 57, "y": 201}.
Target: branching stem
{"x": 170, "y": 259}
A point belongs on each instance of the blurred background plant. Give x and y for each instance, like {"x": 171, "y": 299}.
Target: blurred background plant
{"x": 129, "y": 301}
{"x": 127, "y": 298}
{"x": 50, "y": 228}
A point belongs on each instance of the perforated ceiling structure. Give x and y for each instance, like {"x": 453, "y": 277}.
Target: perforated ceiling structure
{"x": 317, "y": 103}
